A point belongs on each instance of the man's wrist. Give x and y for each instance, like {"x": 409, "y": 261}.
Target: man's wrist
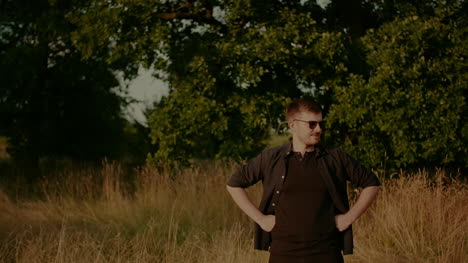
{"x": 258, "y": 218}
{"x": 350, "y": 217}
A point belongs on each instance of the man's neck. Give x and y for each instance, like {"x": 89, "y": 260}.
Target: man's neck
{"x": 302, "y": 148}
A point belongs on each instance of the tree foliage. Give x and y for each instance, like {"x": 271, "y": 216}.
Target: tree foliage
{"x": 392, "y": 73}
{"x": 231, "y": 66}
{"x": 52, "y": 103}
{"x": 410, "y": 109}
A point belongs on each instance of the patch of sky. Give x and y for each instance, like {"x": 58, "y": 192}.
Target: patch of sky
{"x": 143, "y": 91}
{"x": 311, "y": 89}
{"x": 321, "y": 3}
{"x": 219, "y": 14}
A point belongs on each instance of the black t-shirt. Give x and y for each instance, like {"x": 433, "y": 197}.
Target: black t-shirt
{"x": 305, "y": 212}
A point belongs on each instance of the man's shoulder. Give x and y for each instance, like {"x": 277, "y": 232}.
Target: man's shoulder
{"x": 284, "y": 149}
{"x": 277, "y": 150}
{"x": 333, "y": 152}
{"x": 331, "y": 149}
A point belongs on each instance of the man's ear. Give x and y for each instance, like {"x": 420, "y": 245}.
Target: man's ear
{"x": 291, "y": 124}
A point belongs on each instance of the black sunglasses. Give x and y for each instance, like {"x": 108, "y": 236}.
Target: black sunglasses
{"x": 313, "y": 124}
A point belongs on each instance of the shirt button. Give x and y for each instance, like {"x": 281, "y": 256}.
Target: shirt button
{"x": 273, "y": 204}
{"x": 282, "y": 176}
{"x": 277, "y": 192}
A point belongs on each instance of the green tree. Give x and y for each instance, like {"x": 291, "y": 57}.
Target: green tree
{"x": 410, "y": 109}
{"x": 231, "y": 65}
{"x": 52, "y": 103}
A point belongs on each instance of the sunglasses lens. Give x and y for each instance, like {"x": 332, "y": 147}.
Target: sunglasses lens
{"x": 313, "y": 124}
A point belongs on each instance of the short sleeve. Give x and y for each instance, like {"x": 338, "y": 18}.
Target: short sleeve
{"x": 249, "y": 174}
{"x": 356, "y": 173}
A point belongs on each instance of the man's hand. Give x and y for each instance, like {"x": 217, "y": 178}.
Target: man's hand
{"x": 267, "y": 222}
{"x": 365, "y": 199}
{"x": 342, "y": 222}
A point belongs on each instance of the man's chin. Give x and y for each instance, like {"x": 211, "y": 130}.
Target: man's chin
{"x": 314, "y": 139}
{"x": 313, "y": 142}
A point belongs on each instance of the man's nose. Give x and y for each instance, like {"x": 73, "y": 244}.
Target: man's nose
{"x": 317, "y": 128}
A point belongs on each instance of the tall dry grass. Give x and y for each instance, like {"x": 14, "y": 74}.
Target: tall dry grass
{"x": 416, "y": 218}
{"x": 91, "y": 215}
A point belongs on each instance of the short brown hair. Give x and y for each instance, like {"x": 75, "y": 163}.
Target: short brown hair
{"x": 303, "y": 104}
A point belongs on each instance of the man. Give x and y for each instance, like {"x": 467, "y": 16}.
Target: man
{"x": 304, "y": 213}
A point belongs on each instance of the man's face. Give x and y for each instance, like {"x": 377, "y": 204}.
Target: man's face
{"x": 300, "y": 128}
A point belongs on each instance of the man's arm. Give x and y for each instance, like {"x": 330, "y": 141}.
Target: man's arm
{"x": 240, "y": 197}
{"x": 367, "y": 196}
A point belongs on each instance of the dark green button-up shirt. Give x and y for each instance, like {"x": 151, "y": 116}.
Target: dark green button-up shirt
{"x": 335, "y": 166}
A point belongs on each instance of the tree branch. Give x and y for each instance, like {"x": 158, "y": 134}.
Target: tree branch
{"x": 206, "y": 16}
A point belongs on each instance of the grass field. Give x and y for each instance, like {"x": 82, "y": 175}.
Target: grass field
{"x": 95, "y": 215}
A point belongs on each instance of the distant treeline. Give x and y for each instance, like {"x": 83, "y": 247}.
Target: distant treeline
{"x": 392, "y": 76}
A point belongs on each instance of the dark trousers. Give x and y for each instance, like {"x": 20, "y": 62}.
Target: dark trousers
{"x": 324, "y": 251}
{"x": 317, "y": 258}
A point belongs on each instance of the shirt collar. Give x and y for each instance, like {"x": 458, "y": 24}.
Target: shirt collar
{"x": 319, "y": 150}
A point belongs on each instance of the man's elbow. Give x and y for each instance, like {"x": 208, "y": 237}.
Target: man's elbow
{"x": 374, "y": 189}
{"x": 232, "y": 188}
